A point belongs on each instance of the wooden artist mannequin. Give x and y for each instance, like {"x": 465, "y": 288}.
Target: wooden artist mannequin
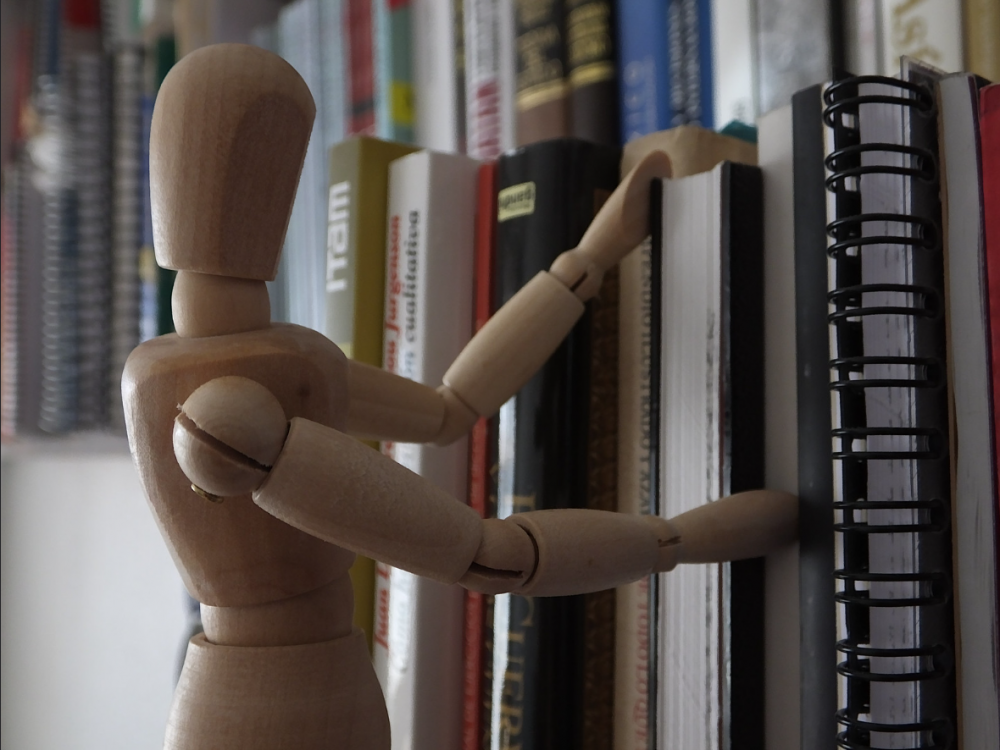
{"x": 284, "y": 498}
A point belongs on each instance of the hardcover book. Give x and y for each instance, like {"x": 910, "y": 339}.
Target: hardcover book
{"x": 547, "y": 195}
{"x": 418, "y": 648}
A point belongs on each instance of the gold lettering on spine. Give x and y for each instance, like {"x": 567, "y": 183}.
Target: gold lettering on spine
{"x": 588, "y": 42}
{"x": 540, "y": 72}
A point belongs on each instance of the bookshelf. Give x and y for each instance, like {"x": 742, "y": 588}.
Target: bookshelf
{"x": 103, "y": 469}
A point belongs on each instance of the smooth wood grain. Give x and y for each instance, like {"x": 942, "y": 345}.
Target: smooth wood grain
{"x": 317, "y": 696}
{"x": 227, "y": 144}
{"x": 385, "y": 406}
{"x": 737, "y": 527}
{"x": 232, "y": 553}
{"x": 208, "y": 305}
{"x": 516, "y": 341}
{"x": 338, "y": 489}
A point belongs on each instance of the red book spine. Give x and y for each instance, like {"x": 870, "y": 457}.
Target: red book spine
{"x": 358, "y": 22}
{"x": 989, "y": 129}
{"x": 479, "y": 459}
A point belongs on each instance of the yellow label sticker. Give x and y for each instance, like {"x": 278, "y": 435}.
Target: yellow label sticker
{"x": 517, "y": 200}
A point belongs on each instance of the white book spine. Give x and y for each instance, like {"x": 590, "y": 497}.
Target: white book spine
{"x": 419, "y": 623}
{"x": 434, "y": 84}
{"x": 732, "y": 62}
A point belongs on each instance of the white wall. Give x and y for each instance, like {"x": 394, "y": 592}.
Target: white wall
{"x": 93, "y": 613}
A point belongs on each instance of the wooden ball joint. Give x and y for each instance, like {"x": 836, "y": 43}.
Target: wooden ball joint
{"x": 266, "y": 422}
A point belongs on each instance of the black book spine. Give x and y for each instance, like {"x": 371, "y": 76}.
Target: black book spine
{"x": 743, "y": 342}
{"x": 548, "y": 194}
{"x": 816, "y": 549}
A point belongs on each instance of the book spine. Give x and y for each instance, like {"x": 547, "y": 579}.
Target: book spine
{"x": 537, "y": 643}
{"x": 743, "y": 349}
{"x": 391, "y": 27}
{"x": 9, "y": 303}
{"x": 542, "y": 87}
{"x": 975, "y": 506}
{"x": 817, "y": 612}
{"x": 126, "y": 233}
{"x": 982, "y": 29}
{"x": 435, "y": 72}
{"x": 591, "y": 68}
{"x": 507, "y": 41}
{"x": 332, "y": 77}
{"x": 695, "y": 64}
{"x": 149, "y": 272}
{"x": 482, "y": 79}
{"x": 480, "y": 459}
{"x": 418, "y": 656}
{"x": 643, "y": 68}
{"x": 361, "y": 67}
{"x": 989, "y": 123}
{"x": 602, "y": 494}
{"x": 795, "y": 47}
{"x": 91, "y": 157}
{"x": 355, "y": 284}
{"x": 731, "y": 42}
{"x": 928, "y": 30}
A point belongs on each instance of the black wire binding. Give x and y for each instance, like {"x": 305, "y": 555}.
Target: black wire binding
{"x": 927, "y": 373}
{"x": 941, "y": 733}
{"x": 920, "y": 98}
{"x": 924, "y": 165}
{"x": 921, "y": 373}
{"x": 846, "y": 233}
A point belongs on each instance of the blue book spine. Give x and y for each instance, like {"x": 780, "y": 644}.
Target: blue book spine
{"x": 644, "y": 67}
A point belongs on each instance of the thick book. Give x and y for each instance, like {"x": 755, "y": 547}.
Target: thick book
{"x": 691, "y": 150}
{"x": 892, "y": 497}
{"x": 547, "y": 196}
{"x": 418, "y": 648}
{"x": 542, "y": 85}
{"x": 974, "y": 447}
{"x": 354, "y": 280}
{"x": 711, "y": 617}
{"x": 592, "y": 71}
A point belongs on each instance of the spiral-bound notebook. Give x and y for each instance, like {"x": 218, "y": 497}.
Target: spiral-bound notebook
{"x": 891, "y": 475}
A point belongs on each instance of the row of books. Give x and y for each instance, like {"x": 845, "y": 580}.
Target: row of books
{"x": 80, "y": 285}
{"x": 454, "y": 76}
{"x": 483, "y": 76}
{"x": 769, "y": 298}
